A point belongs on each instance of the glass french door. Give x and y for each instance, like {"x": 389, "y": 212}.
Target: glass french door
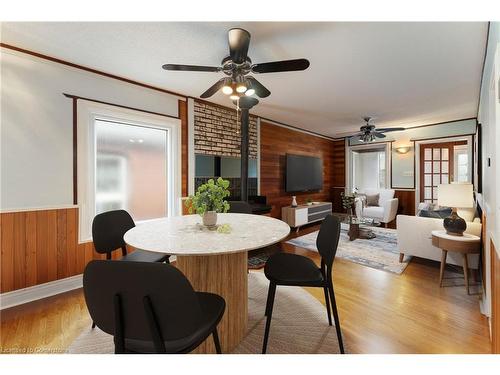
{"x": 436, "y": 168}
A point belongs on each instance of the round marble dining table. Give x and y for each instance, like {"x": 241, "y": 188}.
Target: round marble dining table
{"x": 213, "y": 260}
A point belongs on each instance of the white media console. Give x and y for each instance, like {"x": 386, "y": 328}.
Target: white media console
{"x": 305, "y": 214}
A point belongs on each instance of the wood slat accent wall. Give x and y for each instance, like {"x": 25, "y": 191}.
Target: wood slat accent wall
{"x": 183, "y": 115}
{"x": 275, "y": 143}
{"x": 41, "y": 246}
{"x": 338, "y": 172}
{"x": 495, "y": 300}
{"x": 406, "y": 201}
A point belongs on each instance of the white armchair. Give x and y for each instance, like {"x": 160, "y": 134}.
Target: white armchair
{"x": 385, "y": 212}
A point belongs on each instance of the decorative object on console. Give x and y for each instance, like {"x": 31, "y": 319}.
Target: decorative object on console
{"x": 294, "y": 201}
{"x": 455, "y": 196}
{"x": 208, "y": 200}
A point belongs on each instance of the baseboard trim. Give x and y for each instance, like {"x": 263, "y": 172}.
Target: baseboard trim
{"x": 33, "y": 293}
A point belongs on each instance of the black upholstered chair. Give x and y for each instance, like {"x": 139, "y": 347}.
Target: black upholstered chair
{"x": 150, "y": 307}
{"x": 297, "y": 270}
{"x": 239, "y": 207}
{"x": 108, "y": 229}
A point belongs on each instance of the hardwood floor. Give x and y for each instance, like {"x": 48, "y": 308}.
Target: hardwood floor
{"x": 380, "y": 312}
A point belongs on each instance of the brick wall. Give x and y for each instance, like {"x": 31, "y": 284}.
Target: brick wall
{"x": 217, "y": 131}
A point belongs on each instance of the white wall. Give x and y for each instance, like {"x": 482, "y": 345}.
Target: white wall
{"x": 36, "y": 125}
{"x": 489, "y": 117}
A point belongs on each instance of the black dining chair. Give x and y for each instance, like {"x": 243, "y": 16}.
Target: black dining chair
{"x": 150, "y": 307}
{"x": 239, "y": 207}
{"x": 108, "y": 229}
{"x": 297, "y": 270}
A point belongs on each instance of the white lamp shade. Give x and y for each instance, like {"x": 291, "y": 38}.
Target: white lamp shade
{"x": 456, "y": 195}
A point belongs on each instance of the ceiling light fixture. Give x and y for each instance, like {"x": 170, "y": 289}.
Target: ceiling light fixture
{"x": 367, "y": 138}
{"x": 241, "y": 84}
{"x": 250, "y": 90}
{"x": 402, "y": 149}
{"x": 234, "y": 97}
{"x": 227, "y": 88}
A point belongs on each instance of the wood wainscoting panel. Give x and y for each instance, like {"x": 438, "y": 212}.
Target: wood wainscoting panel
{"x": 406, "y": 204}
{"x": 275, "y": 143}
{"x": 337, "y": 199}
{"x": 338, "y": 172}
{"x": 42, "y": 246}
{"x": 495, "y": 300}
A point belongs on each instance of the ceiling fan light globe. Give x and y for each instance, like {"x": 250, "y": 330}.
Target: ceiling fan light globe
{"x": 250, "y": 92}
{"x": 234, "y": 97}
{"x": 228, "y": 90}
{"x": 241, "y": 88}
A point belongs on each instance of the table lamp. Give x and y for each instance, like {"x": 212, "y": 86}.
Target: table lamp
{"x": 455, "y": 195}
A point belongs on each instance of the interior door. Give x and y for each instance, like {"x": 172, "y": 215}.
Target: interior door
{"x": 436, "y": 167}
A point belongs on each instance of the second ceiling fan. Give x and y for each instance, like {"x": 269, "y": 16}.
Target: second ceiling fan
{"x": 367, "y": 133}
{"x": 238, "y": 67}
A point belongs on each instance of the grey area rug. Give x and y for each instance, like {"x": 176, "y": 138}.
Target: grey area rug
{"x": 299, "y": 325}
{"x": 380, "y": 252}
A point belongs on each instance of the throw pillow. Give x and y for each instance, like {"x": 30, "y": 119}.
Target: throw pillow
{"x": 372, "y": 200}
{"x": 437, "y": 214}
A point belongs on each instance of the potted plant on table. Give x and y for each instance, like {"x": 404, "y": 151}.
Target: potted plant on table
{"x": 208, "y": 200}
{"x": 348, "y": 202}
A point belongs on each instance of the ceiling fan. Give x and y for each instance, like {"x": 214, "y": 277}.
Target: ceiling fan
{"x": 238, "y": 66}
{"x": 367, "y": 133}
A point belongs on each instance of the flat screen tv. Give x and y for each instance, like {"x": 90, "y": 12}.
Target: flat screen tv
{"x": 303, "y": 173}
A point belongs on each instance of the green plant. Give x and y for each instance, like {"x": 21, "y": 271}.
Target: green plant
{"x": 347, "y": 201}
{"x": 309, "y": 200}
{"x": 209, "y": 197}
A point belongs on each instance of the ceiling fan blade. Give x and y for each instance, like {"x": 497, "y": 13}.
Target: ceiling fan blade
{"x": 191, "y": 68}
{"x": 386, "y": 130}
{"x": 281, "y": 66}
{"x": 259, "y": 88}
{"x": 378, "y": 135}
{"x": 239, "y": 41}
{"x": 213, "y": 89}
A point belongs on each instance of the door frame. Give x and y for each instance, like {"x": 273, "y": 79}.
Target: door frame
{"x": 468, "y": 138}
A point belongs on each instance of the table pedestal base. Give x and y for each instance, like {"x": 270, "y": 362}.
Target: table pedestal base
{"x": 225, "y": 275}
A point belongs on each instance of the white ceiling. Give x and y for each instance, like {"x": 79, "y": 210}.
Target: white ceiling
{"x": 404, "y": 74}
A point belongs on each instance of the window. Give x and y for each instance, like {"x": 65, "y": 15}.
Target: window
{"x": 369, "y": 168}
{"x": 131, "y": 169}
{"x": 461, "y": 164}
{"x": 127, "y": 159}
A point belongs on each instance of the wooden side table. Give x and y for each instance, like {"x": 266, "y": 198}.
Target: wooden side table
{"x": 466, "y": 244}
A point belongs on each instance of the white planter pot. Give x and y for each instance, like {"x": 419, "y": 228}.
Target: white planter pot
{"x": 210, "y": 218}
